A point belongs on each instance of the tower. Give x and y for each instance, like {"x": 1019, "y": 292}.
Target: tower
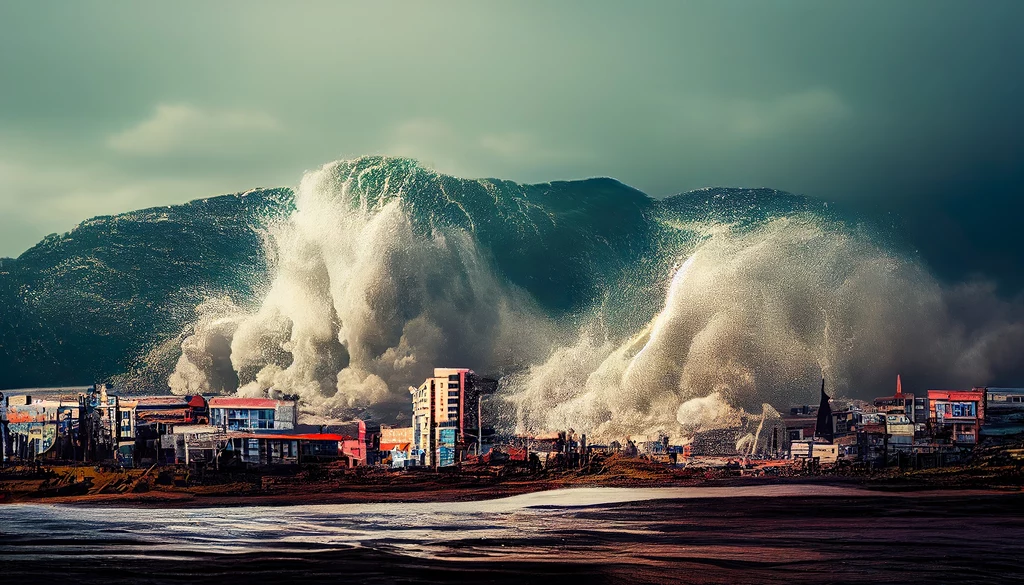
{"x": 823, "y": 428}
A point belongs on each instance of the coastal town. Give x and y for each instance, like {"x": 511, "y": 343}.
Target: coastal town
{"x": 189, "y": 440}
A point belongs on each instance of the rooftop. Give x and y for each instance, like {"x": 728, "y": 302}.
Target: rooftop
{"x": 161, "y": 401}
{"x": 292, "y": 437}
{"x": 234, "y": 402}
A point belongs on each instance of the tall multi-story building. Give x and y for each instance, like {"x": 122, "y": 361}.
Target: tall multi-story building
{"x": 447, "y": 421}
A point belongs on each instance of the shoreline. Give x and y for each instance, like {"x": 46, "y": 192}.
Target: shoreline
{"x": 181, "y": 487}
{"x": 771, "y": 532}
{"x": 353, "y": 493}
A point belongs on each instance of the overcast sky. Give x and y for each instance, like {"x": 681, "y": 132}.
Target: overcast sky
{"x": 912, "y": 107}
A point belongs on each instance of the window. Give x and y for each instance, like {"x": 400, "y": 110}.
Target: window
{"x": 963, "y": 409}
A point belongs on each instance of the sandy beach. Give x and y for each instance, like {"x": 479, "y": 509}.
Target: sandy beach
{"x": 797, "y": 533}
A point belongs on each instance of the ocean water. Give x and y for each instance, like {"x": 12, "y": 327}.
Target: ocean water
{"x": 765, "y": 534}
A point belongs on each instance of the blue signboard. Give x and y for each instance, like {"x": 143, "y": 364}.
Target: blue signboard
{"x": 446, "y": 443}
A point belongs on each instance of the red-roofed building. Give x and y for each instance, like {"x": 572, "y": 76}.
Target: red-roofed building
{"x": 396, "y": 454}
{"x": 956, "y": 415}
{"x": 155, "y": 416}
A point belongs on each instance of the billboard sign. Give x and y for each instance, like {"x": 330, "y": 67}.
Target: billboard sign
{"x": 446, "y": 443}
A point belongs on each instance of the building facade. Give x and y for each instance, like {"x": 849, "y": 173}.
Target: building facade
{"x": 447, "y": 421}
{"x": 956, "y": 416}
{"x": 1004, "y": 412}
{"x": 901, "y": 403}
{"x": 396, "y": 445}
{"x": 252, "y": 414}
{"x": 899, "y": 430}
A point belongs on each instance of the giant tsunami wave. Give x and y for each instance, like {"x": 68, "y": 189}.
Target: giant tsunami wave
{"x": 599, "y": 307}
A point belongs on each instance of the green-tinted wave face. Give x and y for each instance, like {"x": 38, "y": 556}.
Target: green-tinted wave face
{"x": 567, "y": 243}
{"x": 599, "y": 307}
{"x": 573, "y": 245}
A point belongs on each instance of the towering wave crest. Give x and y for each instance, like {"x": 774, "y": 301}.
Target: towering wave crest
{"x": 363, "y": 302}
{"x": 601, "y": 308}
{"x": 752, "y": 318}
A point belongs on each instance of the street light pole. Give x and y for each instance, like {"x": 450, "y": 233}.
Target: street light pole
{"x": 3, "y": 429}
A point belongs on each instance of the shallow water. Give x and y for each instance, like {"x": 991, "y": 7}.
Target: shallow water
{"x": 795, "y": 533}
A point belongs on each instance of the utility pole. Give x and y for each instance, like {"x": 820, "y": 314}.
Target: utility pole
{"x": 479, "y": 425}
{"x": 432, "y": 439}
{"x": 117, "y": 429}
{"x": 3, "y": 429}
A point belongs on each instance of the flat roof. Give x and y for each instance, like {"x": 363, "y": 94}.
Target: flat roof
{"x": 292, "y": 437}
{"x": 235, "y": 402}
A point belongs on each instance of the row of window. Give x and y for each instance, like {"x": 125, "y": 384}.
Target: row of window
{"x": 955, "y": 409}
{"x": 254, "y": 418}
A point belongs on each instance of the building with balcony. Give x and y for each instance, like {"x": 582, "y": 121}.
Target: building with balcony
{"x": 956, "y": 416}
{"x": 252, "y": 414}
{"x": 447, "y": 416}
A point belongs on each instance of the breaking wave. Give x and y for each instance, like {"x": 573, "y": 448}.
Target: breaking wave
{"x": 601, "y": 309}
{"x": 363, "y": 302}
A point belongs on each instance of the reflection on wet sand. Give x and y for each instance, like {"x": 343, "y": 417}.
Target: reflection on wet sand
{"x": 797, "y": 533}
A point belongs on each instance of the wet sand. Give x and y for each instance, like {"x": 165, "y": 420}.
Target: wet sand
{"x": 780, "y": 534}
{"x": 427, "y": 487}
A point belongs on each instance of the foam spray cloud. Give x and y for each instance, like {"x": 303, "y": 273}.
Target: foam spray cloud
{"x": 751, "y": 319}
{"x": 371, "y": 287}
{"x": 361, "y": 304}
